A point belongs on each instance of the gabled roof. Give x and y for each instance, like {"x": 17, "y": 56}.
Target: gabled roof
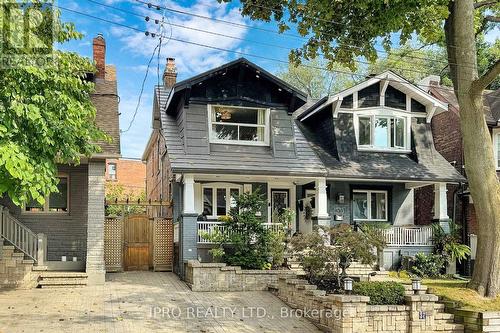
{"x": 394, "y": 80}
{"x": 180, "y": 86}
{"x": 491, "y": 102}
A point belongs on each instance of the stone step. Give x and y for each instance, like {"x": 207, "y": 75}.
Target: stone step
{"x": 8, "y": 247}
{"x": 449, "y": 328}
{"x": 439, "y": 307}
{"x": 62, "y": 281}
{"x": 444, "y": 316}
{"x": 60, "y": 274}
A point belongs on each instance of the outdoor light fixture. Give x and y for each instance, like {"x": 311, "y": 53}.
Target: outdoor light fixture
{"x": 416, "y": 285}
{"x": 348, "y": 285}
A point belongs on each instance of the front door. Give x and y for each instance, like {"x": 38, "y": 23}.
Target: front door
{"x": 279, "y": 202}
{"x": 138, "y": 254}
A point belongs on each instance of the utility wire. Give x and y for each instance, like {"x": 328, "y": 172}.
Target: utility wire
{"x": 153, "y": 35}
{"x": 147, "y": 18}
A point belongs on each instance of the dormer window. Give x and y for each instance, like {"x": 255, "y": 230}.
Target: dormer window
{"x": 238, "y": 125}
{"x": 382, "y": 132}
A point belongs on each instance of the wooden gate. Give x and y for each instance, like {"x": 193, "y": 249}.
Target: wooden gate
{"x": 137, "y": 243}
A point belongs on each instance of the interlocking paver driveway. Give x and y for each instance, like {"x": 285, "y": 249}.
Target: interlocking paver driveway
{"x": 144, "y": 302}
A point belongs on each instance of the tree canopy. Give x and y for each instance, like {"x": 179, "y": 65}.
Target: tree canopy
{"x": 46, "y": 115}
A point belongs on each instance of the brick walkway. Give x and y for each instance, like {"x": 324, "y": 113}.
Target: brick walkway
{"x": 144, "y": 302}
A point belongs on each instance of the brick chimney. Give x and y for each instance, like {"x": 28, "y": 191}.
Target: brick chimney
{"x": 170, "y": 73}
{"x": 99, "y": 48}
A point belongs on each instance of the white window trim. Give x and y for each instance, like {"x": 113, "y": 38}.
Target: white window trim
{"x": 46, "y": 210}
{"x": 214, "y": 187}
{"x": 496, "y": 142}
{"x": 369, "y": 207}
{"x": 406, "y": 147}
{"x": 266, "y": 127}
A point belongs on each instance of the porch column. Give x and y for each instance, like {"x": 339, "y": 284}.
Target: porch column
{"x": 95, "y": 267}
{"x": 322, "y": 217}
{"x": 188, "y": 232}
{"x": 188, "y": 195}
{"x": 441, "y": 206}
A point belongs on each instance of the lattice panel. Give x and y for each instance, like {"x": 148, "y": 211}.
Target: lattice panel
{"x": 113, "y": 244}
{"x": 163, "y": 244}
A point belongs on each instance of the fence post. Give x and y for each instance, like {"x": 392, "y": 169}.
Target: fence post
{"x": 41, "y": 256}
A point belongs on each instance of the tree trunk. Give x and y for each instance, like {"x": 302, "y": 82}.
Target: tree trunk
{"x": 478, "y": 147}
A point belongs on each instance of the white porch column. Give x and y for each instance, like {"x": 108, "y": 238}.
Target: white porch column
{"x": 322, "y": 202}
{"x": 441, "y": 205}
{"x": 188, "y": 199}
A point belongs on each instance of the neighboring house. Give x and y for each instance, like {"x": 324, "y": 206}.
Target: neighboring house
{"x": 129, "y": 173}
{"x": 448, "y": 141}
{"x": 354, "y": 157}
{"x": 73, "y": 219}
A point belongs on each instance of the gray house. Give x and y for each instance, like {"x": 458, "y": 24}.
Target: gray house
{"x": 66, "y": 234}
{"x": 355, "y": 157}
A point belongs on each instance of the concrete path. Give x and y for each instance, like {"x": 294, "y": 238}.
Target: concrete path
{"x": 145, "y": 302}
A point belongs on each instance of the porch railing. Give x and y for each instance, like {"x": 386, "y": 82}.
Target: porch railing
{"x": 409, "y": 236}
{"x": 210, "y": 227}
{"x": 18, "y": 234}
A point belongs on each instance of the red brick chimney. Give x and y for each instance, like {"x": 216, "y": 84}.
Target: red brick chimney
{"x": 170, "y": 73}
{"x": 99, "y": 48}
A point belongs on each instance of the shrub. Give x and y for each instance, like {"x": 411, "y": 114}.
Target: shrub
{"x": 381, "y": 293}
{"x": 431, "y": 265}
{"x": 448, "y": 244}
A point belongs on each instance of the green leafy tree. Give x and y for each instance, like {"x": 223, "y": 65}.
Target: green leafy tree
{"x": 120, "y": 193}
{"x": 46, "y": 115}
{"x": 242, "y": 238}
{"x": 312, "y": 78}
{"x": 343, "y": 30}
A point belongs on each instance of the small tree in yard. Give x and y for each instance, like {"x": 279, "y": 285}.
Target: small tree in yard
{"x": 242, "y": 238}
{"x": 324, "y": 255}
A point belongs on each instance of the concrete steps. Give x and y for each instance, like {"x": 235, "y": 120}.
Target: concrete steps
{"x": 445, "y": 322}
{"x": 51, "y": 279}
{"x": 15, "y": 270}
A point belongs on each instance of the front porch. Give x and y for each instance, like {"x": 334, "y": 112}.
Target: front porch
{"x": 315, "y": 201}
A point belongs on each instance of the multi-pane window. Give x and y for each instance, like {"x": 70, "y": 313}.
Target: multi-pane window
{"x": 236, "y": 124}
{"x": 56, "y": 202}
{"x": 219, "y": 201}
{"x": 369, "y": 205}
{"x": 382, "y": 132}
{"x": 112, "y": 171}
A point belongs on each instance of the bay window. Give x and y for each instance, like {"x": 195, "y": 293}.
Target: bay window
{"x": 368, "y": 205}
{"x": 219, "y": 200}
{"x": 240, "y": 125}
{"x": 56, "y": 202}
{"x": 382, "y": 132}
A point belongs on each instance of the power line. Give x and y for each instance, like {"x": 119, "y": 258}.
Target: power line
{"x": 241, "y": 25}
{"x": 241, "y": 53}
{"x": 142, "y": 90}
{"x": 147, "y": 18}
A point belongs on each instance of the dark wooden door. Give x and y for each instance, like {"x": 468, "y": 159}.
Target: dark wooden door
{"x": 138, "y": 253}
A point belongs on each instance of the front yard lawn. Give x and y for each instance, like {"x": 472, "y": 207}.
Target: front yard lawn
{"x": 457, "y": 291}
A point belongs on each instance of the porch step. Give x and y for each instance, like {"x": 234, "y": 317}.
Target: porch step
{"x": 15, "y": 271}
{"x": 62, "y": 279}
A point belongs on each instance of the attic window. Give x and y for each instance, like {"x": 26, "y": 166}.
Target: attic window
{"x": 347, "y": 102}
{"x": 238, "y": 125}
{"x": 395, "y": 98}
{"x": 416, "y": 106}
{"x": 369, "y": 96}
{"x": 382, "y": 132}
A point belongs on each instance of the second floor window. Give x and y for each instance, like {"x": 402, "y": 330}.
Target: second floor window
{"x": 382, "y": 132}
{"x": 239, "y": 125}
{"x": 112, "y": 171}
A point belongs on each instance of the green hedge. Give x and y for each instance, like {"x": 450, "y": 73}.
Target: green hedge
{"x": 381, "y": 293}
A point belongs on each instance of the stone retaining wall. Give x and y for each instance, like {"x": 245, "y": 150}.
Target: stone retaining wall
{"x": 352, "y": 314}
{"x": 488, "y": 321}
{"x": 220, "y": 277}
